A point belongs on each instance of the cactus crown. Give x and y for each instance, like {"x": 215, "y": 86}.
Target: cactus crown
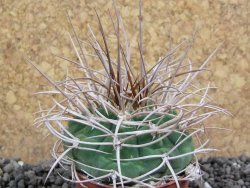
{"x": 125, "y": 128}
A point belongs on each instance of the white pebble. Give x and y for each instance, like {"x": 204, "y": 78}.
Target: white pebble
{"x": 20, "y": 163}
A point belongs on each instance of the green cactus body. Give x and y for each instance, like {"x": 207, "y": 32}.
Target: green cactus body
{"x": 129, "y": 169}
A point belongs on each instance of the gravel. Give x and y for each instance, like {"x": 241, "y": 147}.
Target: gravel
{"x": 14, "y": 173}
{"x": 221, "y": 172}
{"x": 217, "y": 172}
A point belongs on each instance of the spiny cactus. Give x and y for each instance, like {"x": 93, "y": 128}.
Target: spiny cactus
{"x": 106, "y": 158}
{"x": 124, "y": 128}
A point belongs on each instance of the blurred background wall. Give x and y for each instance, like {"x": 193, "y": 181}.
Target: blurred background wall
{"x": 34, "y": 29}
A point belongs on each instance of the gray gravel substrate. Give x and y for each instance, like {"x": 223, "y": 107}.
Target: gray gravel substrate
{"x": 221, "y": 172}
{"x": 217, "y": 173}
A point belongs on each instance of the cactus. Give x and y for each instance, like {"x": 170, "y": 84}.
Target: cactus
{"x": 122, "y": 128}
{"x": 131, "y": 169}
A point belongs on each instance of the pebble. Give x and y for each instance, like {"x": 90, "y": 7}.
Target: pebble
{"x": 30, "y": 174}
{"x": 59, "y": 181}
{"x": 21, "y": 184}
{"x": 8, "y": 168}
{"x": 65, "y": 185}
{"x": 38, "y": 170}
{"x": 12, "y": 183}
{"x": 20, "y": 163}
{"x": 51, "y": 178}
{"x": 19, "y": 177}
{"x": 228, "y": 169}
{"x": 15, "y": 164}
{"x": 6, "y": 161}
{"x": 241, "y": 182}
{"x": 33, "y": 181}
{"x": 6, "y": 177}
{"x": 236, "y": 175}
{"x": 205, "y": 175}
{"x": 247, "y": 170}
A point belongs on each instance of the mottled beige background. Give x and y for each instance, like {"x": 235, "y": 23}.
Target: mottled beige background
{"x": 35, "y": 28}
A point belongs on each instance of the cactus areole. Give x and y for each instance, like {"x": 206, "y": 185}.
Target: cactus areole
{"x": 95, "y": 163}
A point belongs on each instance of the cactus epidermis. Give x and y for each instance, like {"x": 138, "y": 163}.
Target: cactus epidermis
{"x": 135, "y": 168}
